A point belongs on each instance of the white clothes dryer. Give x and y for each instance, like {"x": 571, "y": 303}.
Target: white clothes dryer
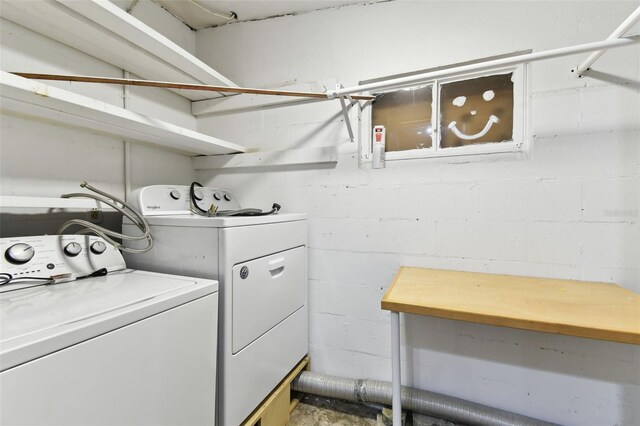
{"x": 129, "y": 347}
{"x": 261, "y": 265}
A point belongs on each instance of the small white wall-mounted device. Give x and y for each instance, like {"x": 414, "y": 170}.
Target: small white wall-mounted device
{"x": 379, "y": 137}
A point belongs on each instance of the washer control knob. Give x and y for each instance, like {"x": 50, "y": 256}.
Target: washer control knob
{"x": 198, "y": 194}
{"x": 19, "y": 253}
{"x": 98, "y": 247}
{"x": 227, "y": 197}
{"x": 175, "y": 194}
{"x": 72, "y": 249}
{"x": 217, "y": 196}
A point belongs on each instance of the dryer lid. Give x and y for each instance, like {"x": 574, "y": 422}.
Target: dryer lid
{"x": 42, "y": 319}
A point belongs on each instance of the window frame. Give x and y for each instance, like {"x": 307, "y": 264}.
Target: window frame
{"x": 519, "y": 143}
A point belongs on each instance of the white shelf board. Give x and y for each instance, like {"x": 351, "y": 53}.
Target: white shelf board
{"x": 293, "y": 157}
{"x": 103, "y": 30}
{"x": 34, "y": 99}
{"x": 7, "y": 201}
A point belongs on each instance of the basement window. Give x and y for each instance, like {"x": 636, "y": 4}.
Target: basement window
{"x": 406, "y": 115}
{"x": 467, "y": 115}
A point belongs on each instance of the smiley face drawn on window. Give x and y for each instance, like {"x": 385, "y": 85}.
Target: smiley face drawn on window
{"x": 477, "y": 111}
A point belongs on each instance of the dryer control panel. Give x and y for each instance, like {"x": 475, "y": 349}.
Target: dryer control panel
{"x": 57, "y": 257}
{"x": 159, "y": 200}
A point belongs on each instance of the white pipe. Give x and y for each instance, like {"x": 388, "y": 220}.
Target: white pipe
{"x": 127, "y": 144}
{"x": 396, "y": 401}
{"x": 488, "y": 65}
{"x": 619, "y": 32}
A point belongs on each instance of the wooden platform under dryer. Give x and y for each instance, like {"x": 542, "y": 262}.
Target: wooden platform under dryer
{"x": 276, "y": 408}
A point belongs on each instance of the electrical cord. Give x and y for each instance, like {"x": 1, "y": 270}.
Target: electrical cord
{"x": 99, "y": 273}
{"x": 6, "y": 278}
{"x": 213, "y": 210}
{"x": 91, "y": 228}
{"x": 275, "y": 208}
{"x": 194, "y": 201}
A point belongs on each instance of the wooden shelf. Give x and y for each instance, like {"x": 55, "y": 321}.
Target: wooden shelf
{"x": 104, "y": 31}
{"x": 37, "y": 100}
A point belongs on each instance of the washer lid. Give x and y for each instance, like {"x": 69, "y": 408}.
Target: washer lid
{"x": 220, "y": 221}
{"x": 39, "y": 320}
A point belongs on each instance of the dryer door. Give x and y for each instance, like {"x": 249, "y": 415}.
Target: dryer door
{"x": 265, "y": 292}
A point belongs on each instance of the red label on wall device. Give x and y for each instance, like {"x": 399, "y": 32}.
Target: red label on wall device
{"x": 378, "y": 147}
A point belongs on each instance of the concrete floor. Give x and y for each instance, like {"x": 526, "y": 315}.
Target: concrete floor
{"x": 309, "y": 415}
{"x": 318, "y": 411}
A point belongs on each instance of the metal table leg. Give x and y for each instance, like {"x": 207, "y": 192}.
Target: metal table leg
{"x": 396, "y": 403}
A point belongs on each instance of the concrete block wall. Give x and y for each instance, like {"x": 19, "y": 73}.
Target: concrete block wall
{"x": 566, "y": 209}
{"x": 43, "y": 159}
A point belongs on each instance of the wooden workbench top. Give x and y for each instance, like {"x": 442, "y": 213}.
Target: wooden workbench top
{"x": 575, "y": 308}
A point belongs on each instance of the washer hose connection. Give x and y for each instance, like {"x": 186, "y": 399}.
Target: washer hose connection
{"x": 118, "y": 205}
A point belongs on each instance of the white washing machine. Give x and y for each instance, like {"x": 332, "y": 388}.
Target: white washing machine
{"x": 125, "y": 348}
{"x": 261, "y": 265}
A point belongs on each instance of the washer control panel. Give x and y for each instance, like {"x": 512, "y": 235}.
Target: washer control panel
{"x": 59, "y": 257}
{"x": 157, "y": 200}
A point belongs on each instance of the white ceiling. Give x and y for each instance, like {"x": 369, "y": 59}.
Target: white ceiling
{"x": 194, "y": 12}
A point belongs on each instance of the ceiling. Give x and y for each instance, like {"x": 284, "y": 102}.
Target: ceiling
{"x": 208, "y": 13}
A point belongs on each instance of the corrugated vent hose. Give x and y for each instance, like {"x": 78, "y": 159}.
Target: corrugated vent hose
{"x": 419, "y": 401}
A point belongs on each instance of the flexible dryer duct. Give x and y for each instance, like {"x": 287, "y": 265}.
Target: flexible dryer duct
{"x": 420, "y": 401}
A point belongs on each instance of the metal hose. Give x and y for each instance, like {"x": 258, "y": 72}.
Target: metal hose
{"x": 91, "y": 228}
{"x": 420, "y": 401}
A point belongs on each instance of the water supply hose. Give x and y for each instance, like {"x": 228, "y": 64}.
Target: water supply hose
{"x": 90, "y": 228}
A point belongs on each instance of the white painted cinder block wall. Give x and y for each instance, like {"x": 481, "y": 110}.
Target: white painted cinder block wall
{"x": 569, "y": 209}
{"x": 45, "y": 160}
